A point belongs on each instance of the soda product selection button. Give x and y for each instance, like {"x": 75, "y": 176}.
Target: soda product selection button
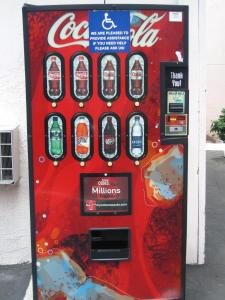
{"x": 54, "y": 73}
{"x": 55, "y": 136}
{"x": 82, "y": 136}
{"x": 109, "y": 77}
{"x": 109, "y": 136}
{"x": 136, "y": 135}
{"x": 136, "y": 76}
{"x": 81, "y": 76}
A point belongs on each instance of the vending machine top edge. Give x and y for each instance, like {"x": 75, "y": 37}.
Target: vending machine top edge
{"x": 107, "y": 125}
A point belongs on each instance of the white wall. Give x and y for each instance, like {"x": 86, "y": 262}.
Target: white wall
{"x": 14, "y": 201}
{"x": 215, "y": 59}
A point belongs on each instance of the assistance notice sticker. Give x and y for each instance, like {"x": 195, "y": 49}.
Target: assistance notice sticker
{"x": 109, "y": 31}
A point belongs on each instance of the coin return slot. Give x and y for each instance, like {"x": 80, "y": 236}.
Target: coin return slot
{"x": 109, "y": 244}
{"x": 176, "y": 108}
{"x": 176, "y": 129}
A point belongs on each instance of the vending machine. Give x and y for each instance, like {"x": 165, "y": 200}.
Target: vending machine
{"x": 107, "y": 119}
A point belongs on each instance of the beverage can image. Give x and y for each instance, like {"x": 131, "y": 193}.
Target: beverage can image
{"x": 53, "y": 77}
{"x": 81, "y": 76}
{"x": 55, "y": 137}
{"x": 136, "y": 76}
{"x": 109, "y": 77}
{"x": 109, "y": 133}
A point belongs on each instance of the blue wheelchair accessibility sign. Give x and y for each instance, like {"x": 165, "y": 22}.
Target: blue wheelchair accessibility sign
{"x": 109, "y": 31}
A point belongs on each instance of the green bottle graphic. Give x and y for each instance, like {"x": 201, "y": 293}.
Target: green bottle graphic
{"x": 56, "y": 149}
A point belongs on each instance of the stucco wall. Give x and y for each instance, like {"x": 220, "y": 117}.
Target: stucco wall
{"x": 215, "y": 59}
{"x": 14, "y": 200}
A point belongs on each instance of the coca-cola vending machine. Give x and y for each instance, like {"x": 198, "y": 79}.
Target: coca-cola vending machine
{"x": 107, "y": 111}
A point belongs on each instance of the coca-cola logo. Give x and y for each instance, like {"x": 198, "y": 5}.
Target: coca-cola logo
{"x": 109, "y": 75}
{"x": 137, "y": 74}
{"x": 67, "y": 32}
{"x": 54, "y": 75}
{"x": 82, "y": 75}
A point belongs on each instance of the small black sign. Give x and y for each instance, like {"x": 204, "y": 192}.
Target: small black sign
{"x": 105, "y": 194}
{"x": 176, "y": 77}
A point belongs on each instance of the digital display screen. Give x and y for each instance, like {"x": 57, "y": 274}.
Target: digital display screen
{"x": 105, "y": 194}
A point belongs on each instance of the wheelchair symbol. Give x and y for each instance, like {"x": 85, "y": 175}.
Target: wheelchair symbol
{"x": 108, "y": 23}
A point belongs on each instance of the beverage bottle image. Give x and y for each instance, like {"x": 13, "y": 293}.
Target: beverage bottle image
{"x": 81, "y": 77}
{"x": 56, "y": 149}
{"x": 54, "y": 78}
{"x": 82, "y": 140}
{"x": 109, "y": 137}
{"x": 137, "y": 75}
{"x": 137, "y": 138}
{"x": 109, "y": 79}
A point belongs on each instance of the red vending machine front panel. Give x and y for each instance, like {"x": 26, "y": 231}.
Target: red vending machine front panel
{"x": 107, "y": 134}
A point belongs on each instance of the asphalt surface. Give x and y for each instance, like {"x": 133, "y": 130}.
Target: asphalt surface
{"x": 208, "y": 282}
{"x": 14, "y": 281}
{"x": 203, "y": 282}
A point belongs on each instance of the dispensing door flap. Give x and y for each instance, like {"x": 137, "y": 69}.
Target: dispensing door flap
{"x": 109, "y": 244}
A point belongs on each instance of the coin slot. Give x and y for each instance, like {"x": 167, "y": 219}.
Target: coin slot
{"x": 176, "y": 108}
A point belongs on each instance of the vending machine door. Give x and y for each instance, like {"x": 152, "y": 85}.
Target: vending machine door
{"x": 107, "y": 111}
